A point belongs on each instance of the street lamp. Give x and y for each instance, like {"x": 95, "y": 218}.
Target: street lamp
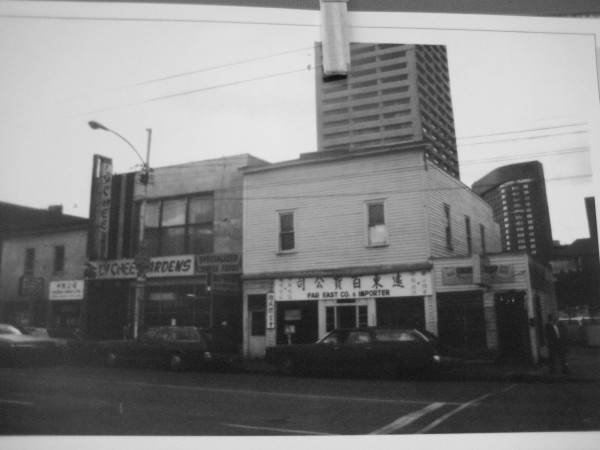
{"x": 141, "y": 258}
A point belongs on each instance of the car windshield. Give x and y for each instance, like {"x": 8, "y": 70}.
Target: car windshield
{"x": 9, "y": 329}
{"x": 37, "y": 332}
{"x": 335, "y": 337}
{"x": 396, "y": 335}
{"x": 185, "y": 334}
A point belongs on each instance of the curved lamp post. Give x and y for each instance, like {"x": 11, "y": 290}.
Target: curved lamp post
{"x": 141, "y": 252}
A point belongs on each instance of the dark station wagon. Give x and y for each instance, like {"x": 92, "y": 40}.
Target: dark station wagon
{"x": 174, "y": 347}
{"x": 386, "y": 352}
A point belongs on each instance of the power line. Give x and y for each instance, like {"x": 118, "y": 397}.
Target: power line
{"x": 525, "y": 138}
{"x": 203, "y": 70}
{"x": 501, "y": 133}
{"x": 195, "y": 91}
{"x": 134, "y": 19}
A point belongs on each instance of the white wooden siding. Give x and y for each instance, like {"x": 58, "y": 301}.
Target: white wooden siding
{"x": 329, "y": 201}
{"x": 441, "y": 189}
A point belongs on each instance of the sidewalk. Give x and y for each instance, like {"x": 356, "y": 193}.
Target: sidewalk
{"x": 583, "y": 362}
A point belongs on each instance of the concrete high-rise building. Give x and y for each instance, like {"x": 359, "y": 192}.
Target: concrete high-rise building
{"x": 517, "y": 195}
{"x": 394, "y": 94}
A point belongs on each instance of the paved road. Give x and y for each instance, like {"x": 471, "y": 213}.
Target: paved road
{"x": 76, "y": 401}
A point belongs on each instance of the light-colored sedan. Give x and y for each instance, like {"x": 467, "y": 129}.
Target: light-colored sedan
{"x": 18, "y": 348}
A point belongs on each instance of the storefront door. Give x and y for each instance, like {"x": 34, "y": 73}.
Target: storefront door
{"x": 513, "y": 331}
{"x": 350, "y": 313}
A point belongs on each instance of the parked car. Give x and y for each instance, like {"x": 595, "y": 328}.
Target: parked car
{"x": 19, "y": 348}
{"x": 73, "y": 348}
{"x": 175, "y": 347}
{"x": 383, "y": 351}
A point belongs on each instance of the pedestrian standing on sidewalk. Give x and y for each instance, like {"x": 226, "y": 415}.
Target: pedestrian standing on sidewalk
{"x": 557, "y": 348}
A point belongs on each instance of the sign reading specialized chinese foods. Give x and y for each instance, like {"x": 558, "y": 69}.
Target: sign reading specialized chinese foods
{"x": 397, "y": 284}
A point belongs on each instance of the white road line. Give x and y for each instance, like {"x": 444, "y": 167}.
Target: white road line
{"x": 277, "y": 394}
{"x": 460, "y": 408}
{"x": 407, "y": 419}
{"x": 15, "y": 402}
{"x": 280, "y": 430}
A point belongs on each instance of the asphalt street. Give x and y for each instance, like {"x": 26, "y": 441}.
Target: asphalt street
{"x": 98, "y": 401}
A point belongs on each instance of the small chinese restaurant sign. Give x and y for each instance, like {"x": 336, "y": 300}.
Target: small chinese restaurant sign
{"x": 66, "y": 290}
{"x": 398, "y": 284}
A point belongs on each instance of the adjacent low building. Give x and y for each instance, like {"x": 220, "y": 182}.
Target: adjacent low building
{"x": 41, "y": 271}
{"x": 382, "y": 237}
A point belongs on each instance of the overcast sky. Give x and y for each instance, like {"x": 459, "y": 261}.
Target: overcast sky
{"x": 220, "y": 81}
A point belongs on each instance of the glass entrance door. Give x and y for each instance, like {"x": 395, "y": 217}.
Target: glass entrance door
{"x": 347, "y": 314}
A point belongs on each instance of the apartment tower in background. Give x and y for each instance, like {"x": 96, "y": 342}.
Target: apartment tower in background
{"x": 394, "y": 94}
{"x": 517, "y": 195}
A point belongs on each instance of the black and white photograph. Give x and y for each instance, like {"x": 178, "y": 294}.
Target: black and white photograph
{"x": 270, "y": 224}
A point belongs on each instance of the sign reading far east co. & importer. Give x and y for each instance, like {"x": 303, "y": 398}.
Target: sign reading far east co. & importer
{"x": 397, "y": 284}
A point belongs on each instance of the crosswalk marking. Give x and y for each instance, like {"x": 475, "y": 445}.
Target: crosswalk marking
{"x": 408, "y": 419}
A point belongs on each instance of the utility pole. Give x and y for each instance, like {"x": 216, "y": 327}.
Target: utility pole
{"x": 142, "y": 258}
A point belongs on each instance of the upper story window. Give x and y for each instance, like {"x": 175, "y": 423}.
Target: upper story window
{"x": 377, "y": 229}
{"x": 482, "y": 233}
{"x": 448, "y": 224}
{"x": 180, "y": 226}
{"x": 286, "y": 231}
{"x": 59, "y": 258}
{"x": 29, "y": 261}
{"x": 469, "y": 238}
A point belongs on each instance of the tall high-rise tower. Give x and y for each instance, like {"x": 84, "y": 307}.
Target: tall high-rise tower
{"x": 517, "y": 195}
{"x": 394, "y": 94}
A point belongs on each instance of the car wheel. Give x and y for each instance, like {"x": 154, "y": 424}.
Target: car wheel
{"x": 176, "y": 362}
{"x": 111, "y": 359}
{"x": 287, "y": 366}
{"x": 388, "y": 369}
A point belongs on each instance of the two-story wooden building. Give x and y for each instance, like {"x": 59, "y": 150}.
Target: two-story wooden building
{"x": 374, "y": 237}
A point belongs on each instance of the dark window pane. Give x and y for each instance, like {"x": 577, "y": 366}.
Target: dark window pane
{"x": 286, "y": 241}
{"x": 59, "y": 258}
{"x": 201, "y": 209}
{"x": 173, "y": 241}
{"x": 173, "y": 212}
{"x": 29, "y": 261}
{"x": 200, "y": 239}
{"x": 152, "y": 214}
{"x": 258, "y": 325}
{"x": 376, "y": 214}
{"x": 152, "y": 241}
{"x": 286, "y": 222}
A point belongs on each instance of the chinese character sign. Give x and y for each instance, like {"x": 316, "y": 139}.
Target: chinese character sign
{"x": 376, "y": 285}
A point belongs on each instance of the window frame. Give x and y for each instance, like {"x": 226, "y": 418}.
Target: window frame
{"x": 369, "y": 225}
{"x": 29, "y": 263}
{"x": 280, "y": 232}
{"x": 482, "y": 236}
{"x": 59, "y": 258}
{"x": 469, "y": 235}
{"x": 448, "y": 226}
{"x": 158, "y": 232}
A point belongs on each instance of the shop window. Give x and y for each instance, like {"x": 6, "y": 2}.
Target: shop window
{"x": 29, "y": 261}
{"x": 376, "y": 223}
{"x": 179, "y": 226}
{"x": 286, "y": 231}
{"x": 59, "y": 258}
